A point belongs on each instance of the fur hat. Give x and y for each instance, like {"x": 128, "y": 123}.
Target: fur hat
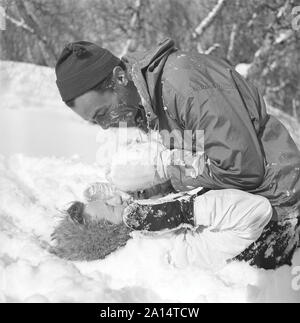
{"x": 87, "y": 240}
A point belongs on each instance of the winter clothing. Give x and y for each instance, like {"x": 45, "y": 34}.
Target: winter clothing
{"x": 81, "y": 66}
{"x": 245, "y": 148}
{"x": 91, "y": 241}
{"x": 230, "y": 221}
{"x": 163, "y": 213}
{"x": 275, "y": 247}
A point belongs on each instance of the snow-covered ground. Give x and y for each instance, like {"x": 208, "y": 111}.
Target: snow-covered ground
{"x": 47, "y": 159}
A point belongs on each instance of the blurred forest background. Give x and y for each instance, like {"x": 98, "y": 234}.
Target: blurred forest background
{"x": 256, "y": 33}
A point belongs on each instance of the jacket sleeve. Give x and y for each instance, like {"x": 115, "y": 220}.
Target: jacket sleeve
{"x": 231, "y": 156}
{"x": 159, "y": 214}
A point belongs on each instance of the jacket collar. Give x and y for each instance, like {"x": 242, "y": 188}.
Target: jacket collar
{"x": 146, "y": 69}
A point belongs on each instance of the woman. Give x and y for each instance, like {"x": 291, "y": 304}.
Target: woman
{"x": 221, "y": 223}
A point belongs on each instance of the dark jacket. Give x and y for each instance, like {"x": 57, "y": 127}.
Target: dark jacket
{"x": 244, "y": 147}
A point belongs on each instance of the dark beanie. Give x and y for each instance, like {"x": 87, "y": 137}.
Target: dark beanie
{"x": 81, "y": 66}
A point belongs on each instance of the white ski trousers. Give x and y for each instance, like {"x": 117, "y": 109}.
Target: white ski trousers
{"x": 228, "y": 222}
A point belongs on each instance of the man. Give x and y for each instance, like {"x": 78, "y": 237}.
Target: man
{"x": 166, "y": 89}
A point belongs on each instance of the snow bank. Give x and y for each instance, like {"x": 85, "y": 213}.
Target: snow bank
{"x": 243, "y": 69}
{"x": 33, "y": 190}
{"x": 37, "y": 184}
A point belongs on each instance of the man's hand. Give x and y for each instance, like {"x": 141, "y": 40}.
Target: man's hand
{"x": 138, "y": 167}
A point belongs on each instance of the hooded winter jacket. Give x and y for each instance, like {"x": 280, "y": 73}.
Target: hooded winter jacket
{"x": 244, "y": 147}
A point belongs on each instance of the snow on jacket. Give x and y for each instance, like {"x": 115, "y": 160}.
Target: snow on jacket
{"x": 244, "y": 147}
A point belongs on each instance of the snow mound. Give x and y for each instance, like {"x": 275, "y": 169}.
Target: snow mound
{"x": 154, "y": 268}
{"x": 38, "y": 180}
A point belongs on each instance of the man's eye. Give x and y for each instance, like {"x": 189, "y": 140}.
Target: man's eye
{"x": 98, "y": 114}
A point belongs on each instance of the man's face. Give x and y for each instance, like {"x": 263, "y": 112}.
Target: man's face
{"x": 110, "y": 107}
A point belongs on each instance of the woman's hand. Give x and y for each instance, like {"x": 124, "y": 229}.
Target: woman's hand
{"x": 105, "y": 192}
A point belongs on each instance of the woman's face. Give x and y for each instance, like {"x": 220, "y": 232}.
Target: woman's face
{"x": 102, "y": 210}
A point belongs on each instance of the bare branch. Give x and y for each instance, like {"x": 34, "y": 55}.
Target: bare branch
{"x": 212, "y": 48}
{"x": 207, "y": 22}
{"x": 131, "y": 43}
{"x": 232, "y": 39}
{"x": 275, "y": 37}
{"x": 279, "y": 87}
{"x": 19, "y": 23}
{"x": 44, "y": 44}
{"x": 295, "y": 112}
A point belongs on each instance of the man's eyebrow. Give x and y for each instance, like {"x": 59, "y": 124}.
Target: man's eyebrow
{"x": 96, "y": 112}
{"x": 105, "y": 109}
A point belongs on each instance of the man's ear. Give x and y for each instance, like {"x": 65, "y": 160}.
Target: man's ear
{"x": 120, "y": 76}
